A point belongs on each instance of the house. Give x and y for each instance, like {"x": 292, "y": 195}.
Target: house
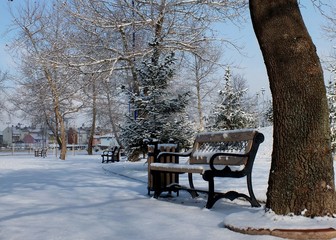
{"x": 41, "y": 136}
{"x": 29, "y": 139}
{"x": 11, "y": 135}
{"x": 83, "y": 135}
{"x": 72, "y": 136}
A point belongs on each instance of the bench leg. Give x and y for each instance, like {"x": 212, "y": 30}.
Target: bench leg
{"x": 214, "y": 196}
{"x": 194, "y": 194}
{"x": 253, "y": 200}
{"x": 211, "y": 194}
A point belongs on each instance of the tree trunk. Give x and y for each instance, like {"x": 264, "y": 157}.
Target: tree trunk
{"x": 198, "y": 94}
{"x": 58, "y": 115}
{"x": 63, "y": 138}
{"x": 94, "y": 117}
{"x": 112, "y": 122}
{"x": 301, "y": 179}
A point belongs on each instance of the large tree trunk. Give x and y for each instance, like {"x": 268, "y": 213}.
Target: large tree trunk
{"x": 301, "y": 179}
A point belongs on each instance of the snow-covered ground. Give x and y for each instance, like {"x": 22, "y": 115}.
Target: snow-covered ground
{"x": 82, "y": 199}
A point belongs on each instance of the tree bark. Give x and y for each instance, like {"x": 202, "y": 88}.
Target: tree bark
{"x": 58, "y": 115}
{"x": 63, "y": 139}
{"x": 94, "y": 117}
{"x": 198, "y": 94}
{"x": 301, "y": 179}
{"x": 112, "y": 121}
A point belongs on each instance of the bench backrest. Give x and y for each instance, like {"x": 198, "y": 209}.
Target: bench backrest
{"x": 231, "y": 141}
{"x": 116, "y": 153}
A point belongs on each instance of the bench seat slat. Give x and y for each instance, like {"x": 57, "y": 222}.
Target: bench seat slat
{"x": 181, "y": 168}
{"x": 188, "y": 168}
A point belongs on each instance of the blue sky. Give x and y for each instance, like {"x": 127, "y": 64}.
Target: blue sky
{"x": 5, "y": 20}
{"x": 253, "y": 68}
{"x": 250, "y": 66}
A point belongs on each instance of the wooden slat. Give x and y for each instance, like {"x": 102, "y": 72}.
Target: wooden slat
{"x": 166, "y": 178}
{"x": 228, "y": 136}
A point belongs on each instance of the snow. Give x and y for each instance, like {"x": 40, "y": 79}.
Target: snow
{"x": 82, "y": 199}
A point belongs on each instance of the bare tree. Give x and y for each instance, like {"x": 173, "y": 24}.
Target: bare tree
{"x": 115, "y": 107}
{"x": 54, "y": 87}
{"x": 200, "y": 74}
{"x": 90, "y": 94}
{"x": 3, "y": 78}
{"x": 109, "y": 39}
{"x": 126, "y": 31}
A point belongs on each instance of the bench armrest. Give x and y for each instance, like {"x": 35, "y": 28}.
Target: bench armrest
{"x": 184, "y": 154}
{"x": 213, "y": 157}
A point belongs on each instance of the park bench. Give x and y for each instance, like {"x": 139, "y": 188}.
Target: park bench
{"x": 40, "y": 152}
{"x": 228, "y": 154}
{"x": 112, "y": 155}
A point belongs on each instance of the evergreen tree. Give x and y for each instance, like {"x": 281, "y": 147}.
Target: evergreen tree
{"x": 160, "y": 114}
{"x": 269, "y": 112}
{"x": 331, "y": 95}
{"x": 229, "y": 112}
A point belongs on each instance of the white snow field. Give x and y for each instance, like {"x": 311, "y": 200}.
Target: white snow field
{"x": 82, "y": 199}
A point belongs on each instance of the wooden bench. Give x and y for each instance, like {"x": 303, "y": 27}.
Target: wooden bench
{"x": 214, "y": 154}
{"x": 112, "y": 155}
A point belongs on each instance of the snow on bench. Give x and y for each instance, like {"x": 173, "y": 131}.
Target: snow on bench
{"x": 228, "y": 153}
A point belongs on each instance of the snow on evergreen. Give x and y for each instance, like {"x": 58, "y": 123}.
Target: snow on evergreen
{"x": 229, "y": 112}
{"x": 269, "y": 113}
{"x": 160, "y": 113}
{"x": 331, "y": 96}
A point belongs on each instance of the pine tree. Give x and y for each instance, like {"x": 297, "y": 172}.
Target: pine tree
{"x": 229, "y": 112}
{"x": 160, "y": 113}
{"x": 331, "y": 95}
{"x": 269, "y": 112}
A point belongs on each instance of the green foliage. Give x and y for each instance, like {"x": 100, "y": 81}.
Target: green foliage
{"x": 159, "y": 112}
{"x": 229, "y": 112}
{"x": 331, "y": 96}
{"x": 269, "y": 113}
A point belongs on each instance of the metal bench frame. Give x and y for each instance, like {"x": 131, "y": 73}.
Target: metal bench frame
{"x": 111, "y": 155}
{"x": 209, "y": 163}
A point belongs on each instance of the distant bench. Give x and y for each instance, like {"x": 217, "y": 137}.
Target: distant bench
{"x": 214, "y": 154}
{"x": 112, "y": 155}
{"x": 40, "y": 152}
